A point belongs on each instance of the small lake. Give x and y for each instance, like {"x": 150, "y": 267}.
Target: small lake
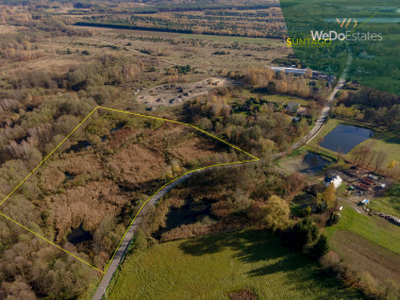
{"x": 345, "y": 137}
{"x": 79, "y": 235}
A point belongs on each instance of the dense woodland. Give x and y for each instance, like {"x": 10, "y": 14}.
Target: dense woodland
{"x": 370, "y": 105}
{"x": 121, "y": 162}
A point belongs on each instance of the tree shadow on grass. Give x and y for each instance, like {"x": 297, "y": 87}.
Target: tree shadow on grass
{"x": 252, "y": 246}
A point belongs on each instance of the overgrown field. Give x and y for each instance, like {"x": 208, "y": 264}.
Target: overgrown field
{"x": 210, "y": 267}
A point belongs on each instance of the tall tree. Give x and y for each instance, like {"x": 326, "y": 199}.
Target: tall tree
{"x": 275, "y": 214}
{"x": 329, "y": 195}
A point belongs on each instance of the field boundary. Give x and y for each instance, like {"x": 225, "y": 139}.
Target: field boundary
{"x": 254, "y": 158}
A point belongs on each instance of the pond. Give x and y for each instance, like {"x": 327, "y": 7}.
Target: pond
{"x": 68, "y": 177}
{"x": 309, "y": 164}
{"x": 79, "y": 235}
{"x": 191, "y": 212}
{"x": 345, "y": 137}
{"x": 81, "y": 145}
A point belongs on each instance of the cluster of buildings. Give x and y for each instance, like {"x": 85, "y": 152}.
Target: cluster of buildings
{"x": 302, "y": 72}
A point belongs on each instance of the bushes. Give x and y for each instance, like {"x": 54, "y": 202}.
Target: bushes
{"x": 332, "y": 264}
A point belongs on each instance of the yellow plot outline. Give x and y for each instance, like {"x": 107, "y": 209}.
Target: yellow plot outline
{"x": 140, "y": 209}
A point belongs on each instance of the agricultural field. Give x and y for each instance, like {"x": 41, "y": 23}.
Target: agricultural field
{"x": 211, "y": 267}
{"x": 367, "y": 244}
{"x": 374, "y": 229}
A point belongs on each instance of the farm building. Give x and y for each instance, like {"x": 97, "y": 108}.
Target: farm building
{"x": 337, "y": 181}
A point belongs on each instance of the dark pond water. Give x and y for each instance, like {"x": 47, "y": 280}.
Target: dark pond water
{"x": 313, "y": 163}
{"x": 68, "y": 177}
{"x": 119, "y": 127}
{"x": 345, "y": 137}
{"x": 81, "y": 145}
{"x": 79, "y": 235}
{"x": 190, "y": 212}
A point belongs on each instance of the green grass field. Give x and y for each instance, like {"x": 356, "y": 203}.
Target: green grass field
{"x": 388, "y": 142}
{"x": 209, "y": 267}
{"x": 390, "y": 204}
{"x": 374, "y": 229}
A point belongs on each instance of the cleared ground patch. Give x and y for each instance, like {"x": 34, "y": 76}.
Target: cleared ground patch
{"x": 211, "y": 267}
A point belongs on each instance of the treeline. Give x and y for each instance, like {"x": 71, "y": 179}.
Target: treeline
{"x": 370, "y": 105}
{"x": 267, "y": 80}
{"x": 20, "y": 48}
{"x": 184, "y": 23}
{"x": 201, "y": 5}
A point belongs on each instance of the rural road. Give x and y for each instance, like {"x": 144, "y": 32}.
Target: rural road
{"x": 320, "y": 123}
{"x": 102, "y": 288}
{"x": 325, "y": 111}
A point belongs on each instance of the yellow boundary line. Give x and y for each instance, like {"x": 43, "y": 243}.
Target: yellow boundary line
{"x": 142, "y": 206}
{"x": 50, "y": 242}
